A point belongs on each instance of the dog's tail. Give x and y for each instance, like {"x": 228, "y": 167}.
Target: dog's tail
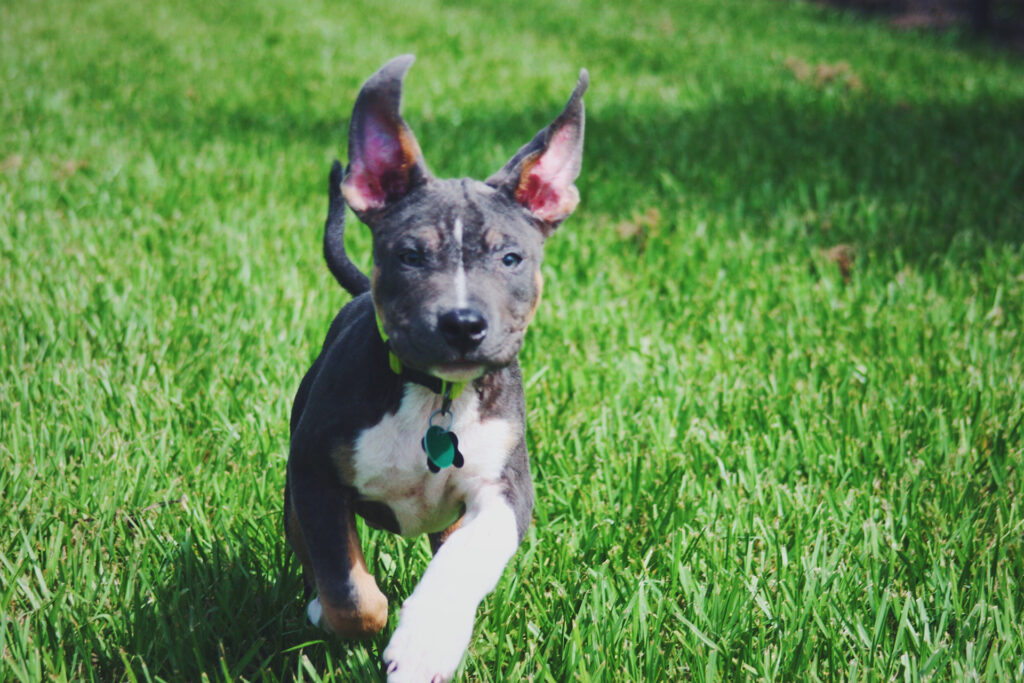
{"x": 345, "y": 272}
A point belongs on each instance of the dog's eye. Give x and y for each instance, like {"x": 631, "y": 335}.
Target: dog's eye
{"x": 411, "y": 257}
{"x": 511, "y": 259}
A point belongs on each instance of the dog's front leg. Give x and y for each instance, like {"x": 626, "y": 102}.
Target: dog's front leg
{"x": 436, "y": 621}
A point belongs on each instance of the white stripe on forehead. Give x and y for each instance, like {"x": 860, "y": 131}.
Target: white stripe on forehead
{"x": 461, "y": 293}
{"x": 457, "y": 228}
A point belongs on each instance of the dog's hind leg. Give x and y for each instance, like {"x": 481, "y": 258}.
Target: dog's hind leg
{"x": 293, "y": 534}
{"x": 348, "y": 600}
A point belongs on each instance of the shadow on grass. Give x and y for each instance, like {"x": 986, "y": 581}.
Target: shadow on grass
{"x": 1000, "y": 22}
{"x": 914, "y": 177}
{"x": 218, "y": 608}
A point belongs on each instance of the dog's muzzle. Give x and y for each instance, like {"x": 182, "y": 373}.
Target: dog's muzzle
{"x": 463, "y": 329}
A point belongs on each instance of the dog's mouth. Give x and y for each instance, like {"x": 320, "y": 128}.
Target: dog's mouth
{"x": 463, "y": 371}
{"x": 423, "y": 352}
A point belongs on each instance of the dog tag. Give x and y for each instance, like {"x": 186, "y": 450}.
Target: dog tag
{"x": 442, "y": 449}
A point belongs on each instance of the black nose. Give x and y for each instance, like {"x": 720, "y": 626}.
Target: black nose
{"x": 463, "y": 329}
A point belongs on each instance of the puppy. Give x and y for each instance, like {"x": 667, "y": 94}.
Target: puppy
{"x": 413, "y": 414}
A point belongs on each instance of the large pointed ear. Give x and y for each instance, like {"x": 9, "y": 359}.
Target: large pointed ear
{"x": 384, "y": 159}
{"x": 541, "y": 174}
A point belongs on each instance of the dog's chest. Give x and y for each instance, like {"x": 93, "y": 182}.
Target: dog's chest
{"x": 390, "y": 466}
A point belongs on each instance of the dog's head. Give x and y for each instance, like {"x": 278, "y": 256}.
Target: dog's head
{"x": 456, "y": 276}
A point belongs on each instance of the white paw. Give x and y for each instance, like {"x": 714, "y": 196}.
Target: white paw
{"x": 314, "y": 611}
{"x": 429, "y": 643}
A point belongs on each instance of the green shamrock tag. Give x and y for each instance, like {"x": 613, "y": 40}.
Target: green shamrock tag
{"x": 442, "y": 447}
{"x": 441, "y": 444}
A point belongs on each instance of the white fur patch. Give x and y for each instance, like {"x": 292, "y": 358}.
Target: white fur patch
{"x": 461, "y": 290}
{"x": 391, "y": 467}
{"x": 314, "y": 611}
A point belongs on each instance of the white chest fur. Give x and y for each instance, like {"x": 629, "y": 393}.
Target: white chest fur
{"x": 391, "y": 467}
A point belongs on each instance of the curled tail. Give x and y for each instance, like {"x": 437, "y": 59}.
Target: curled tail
{"x": 345, "y": 272}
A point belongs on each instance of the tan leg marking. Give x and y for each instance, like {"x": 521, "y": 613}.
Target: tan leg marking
{"x": 436, "y": 540}
{"x": 370, "y": 613}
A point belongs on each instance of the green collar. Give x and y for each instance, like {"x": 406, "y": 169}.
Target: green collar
{"x": 450, "y": 390}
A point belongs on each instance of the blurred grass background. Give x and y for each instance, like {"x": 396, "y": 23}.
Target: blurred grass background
{"x": 775, "y": 387}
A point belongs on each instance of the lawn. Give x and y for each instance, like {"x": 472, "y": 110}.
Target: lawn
{"x": 775, "y": 387}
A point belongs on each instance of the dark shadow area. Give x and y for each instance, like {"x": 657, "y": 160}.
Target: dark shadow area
{"x": 913, "y": 177}
{"x": 216, "y": 604}
{"x": 998, "y": 21}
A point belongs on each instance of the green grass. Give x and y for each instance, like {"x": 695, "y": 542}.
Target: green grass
{"x": 746, "y": 466}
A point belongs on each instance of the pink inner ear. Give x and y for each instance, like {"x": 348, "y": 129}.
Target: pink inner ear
{"x": 382, "y": 147}
{"x": 547, "y": 190}
{"x": 362, "y": 190}
{"x": 379, "y": 168}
